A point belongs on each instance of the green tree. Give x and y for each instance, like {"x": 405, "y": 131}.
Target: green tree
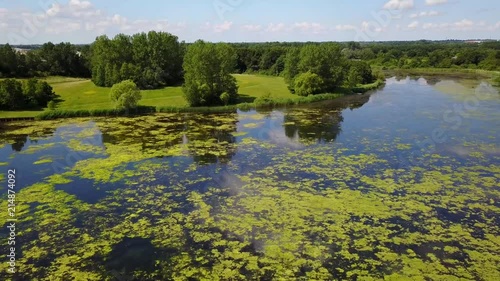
{"x": 292, "y": 60}
{"x": 44, "y": 93}
{"x": 225, "y": 97}
{"x": 353, "y": 78}
{"x": 11, "y": 95}
{"x": 360, "y": 72}
{"x": 51, "y": 105}
{"x": 324, "y": 60}
{"x": 125, "y": 94}
{"x": 151, "y": 59}
{"x": 208, "y": 68}
{"x": 30, "y": 93}
{"x": 308, "y": 84}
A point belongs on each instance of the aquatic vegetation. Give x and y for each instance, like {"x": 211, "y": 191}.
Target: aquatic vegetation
{"x": 239, "y": 134}
{"x": 37, "y": 148}
{"x": 252, "y": 125}
{"x": 84, "y": 146}
{"x": 299, "y": 194}
{"x": 43, "y": 161}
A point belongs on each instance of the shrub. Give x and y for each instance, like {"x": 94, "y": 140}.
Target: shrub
{"x": 225, "y": 97}
{"x": 51, "y": 105}
{"x": 496, "y": 81}
{"x": 207, "y": 68}
{"x": 125, "y": 94}
{"x": 308, "y": 84}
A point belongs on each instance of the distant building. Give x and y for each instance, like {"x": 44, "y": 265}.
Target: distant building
{"x": 474, "y": 41}
{"x": 22, "y": 51}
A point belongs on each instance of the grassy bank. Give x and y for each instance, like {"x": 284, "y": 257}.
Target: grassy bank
{"x": 443, "y": 71}
{"x": 259, "y": 103}
{"x": 81, "y": 98}
{"x": 82, "y": 95}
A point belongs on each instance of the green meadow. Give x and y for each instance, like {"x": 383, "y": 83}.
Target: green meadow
{"x": 77, "y": 93}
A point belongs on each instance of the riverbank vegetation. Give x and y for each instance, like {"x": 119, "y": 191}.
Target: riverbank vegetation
{"x": 27, "y": 94}
{"x": 154, "y": 62}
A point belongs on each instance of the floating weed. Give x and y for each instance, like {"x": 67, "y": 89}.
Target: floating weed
{"x": 255, "y": 117}
{"x": 239, "y": 134}
{"x": 43, "y": 161}
{"x": 253, "y": 125}
{"x": 4, "y": 163}
{"x": 322, "y": 211}
{"x": 37, "y": 148}
{"x": 84, "y": 146}
{"x": 401, "y": 146}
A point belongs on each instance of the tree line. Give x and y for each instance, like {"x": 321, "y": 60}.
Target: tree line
{"x": 158, "y": 59}
{"x": 63, "y": 59}
{"x": 151, "y": 60}
{"x": 155, "y": 59}
{"x": 26, "y": 94}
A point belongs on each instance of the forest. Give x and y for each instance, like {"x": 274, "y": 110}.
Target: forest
{"x": 158, "y": 59}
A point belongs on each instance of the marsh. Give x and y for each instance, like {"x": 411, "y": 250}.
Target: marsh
{"x": 401, "y": 184}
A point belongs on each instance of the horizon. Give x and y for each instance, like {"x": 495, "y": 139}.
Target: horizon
{"x": 33, "y": 22}
{"x": 285, "y": 42}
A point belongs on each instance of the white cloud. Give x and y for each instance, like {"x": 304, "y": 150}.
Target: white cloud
{"x": 463, "y": 25}
{"x": 250, "y": 27}
{"x": 345, "y": 27}
{"x": 68, "y": 27}
{"x": 276, "y": 27}
{"x": 80, "y": 5}
{"x": 309, "y": 27}
{"x": 118, "y": 20}
{"x": 74, "y": 16}
{"x": 225, "y": 26}
{"x": 54, "y": 10}
{"x": 413, "y": 25}
{"x": 217, "y": 28}
{"x": 399, "y": 5}
{"x": 425, "y": 14}
{"x": 435, "y": 2}
{"x": 371, "y": 27}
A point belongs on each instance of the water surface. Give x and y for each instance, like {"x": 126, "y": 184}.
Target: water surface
{"x": 399, "y": 184}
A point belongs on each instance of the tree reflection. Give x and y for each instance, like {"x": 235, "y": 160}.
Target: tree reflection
{"x": 19, "y": 142}
{"x": 17, "y": 134}
{"x": 321, "y": 122}
{"x": 208, "y": 138}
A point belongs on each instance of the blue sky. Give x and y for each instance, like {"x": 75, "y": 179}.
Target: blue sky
{"x": 80, "y": 21}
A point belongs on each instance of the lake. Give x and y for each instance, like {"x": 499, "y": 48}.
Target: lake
{"x": 401, "y": 184}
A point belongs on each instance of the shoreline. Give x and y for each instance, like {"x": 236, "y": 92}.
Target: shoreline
{"x": 146, "y": 110}
{"x": 460, "y": 72}
{"x": 268, "y": 103}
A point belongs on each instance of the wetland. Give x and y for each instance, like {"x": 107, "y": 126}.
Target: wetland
{"x": 398, "y": 184}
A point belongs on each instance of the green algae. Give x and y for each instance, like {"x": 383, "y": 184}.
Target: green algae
{"x": 305, "y": 212}
{"x": 83, "y": 146}
{"x": 252, "y": 125}
{"x": 239, "y": 134}
{"x": 37, "y": 148}
{"x": 43, "y": 161}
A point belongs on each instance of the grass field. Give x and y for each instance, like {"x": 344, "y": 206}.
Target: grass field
{"x": 76, "y": 93}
